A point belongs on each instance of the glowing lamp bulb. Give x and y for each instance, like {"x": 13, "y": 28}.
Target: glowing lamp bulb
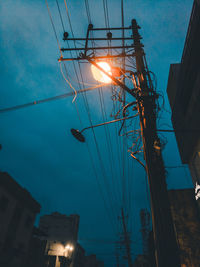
{"x": 99, "y": 75}
{"x": 69, "y": 247}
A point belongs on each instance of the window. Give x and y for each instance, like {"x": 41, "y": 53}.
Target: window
{"x": 3, "y": 203}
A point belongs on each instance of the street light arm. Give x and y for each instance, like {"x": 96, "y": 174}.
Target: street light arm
{"x": 80, "y": 137}
{"x": 108, "y": 122}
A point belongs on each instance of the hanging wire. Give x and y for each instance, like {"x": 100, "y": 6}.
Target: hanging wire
{"x": 79, "y": 69}
{"x": 89, "y": 116}
{"x": 126, "y": 183}
{"x": 75, "y": 92}
{"x": 53, "y": 26}
{"x": 109, "y": 143}
{"x": 60, "y": 15}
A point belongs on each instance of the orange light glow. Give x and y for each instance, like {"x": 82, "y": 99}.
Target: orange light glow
{"x": 99, "y": 75}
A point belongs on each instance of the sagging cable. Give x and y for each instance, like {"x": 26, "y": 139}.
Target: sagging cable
{"x": 75, "y": 92}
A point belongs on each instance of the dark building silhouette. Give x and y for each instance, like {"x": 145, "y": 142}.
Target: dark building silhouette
{"x": 186, "y": 219}
{"x": 17, "y": 216}
{"x": 61, "y": 235}
{"x": 36, "y": 253}
{"x": 184, "y": 96}
{"x": 79, "y": 258}
{"x": 141, "y": 261}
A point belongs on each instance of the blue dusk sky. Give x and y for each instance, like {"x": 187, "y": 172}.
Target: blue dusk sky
{"x": 38, "y": 150}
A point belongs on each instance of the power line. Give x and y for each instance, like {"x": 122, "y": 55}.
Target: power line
{"x": 89, "y": 116}
{"x": 53, "y": 26}
{"x": 45, "y": 100}
{"x": 60, "y": 15}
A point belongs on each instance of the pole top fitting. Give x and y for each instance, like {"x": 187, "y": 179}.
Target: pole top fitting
{"x": 65, "y": 35}
{"x": 109, "y": 35}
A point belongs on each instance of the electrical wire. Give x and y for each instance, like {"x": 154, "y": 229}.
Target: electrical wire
{"x": 36, "y": 102}
{"x": 61, "y": 19}
{"x": 55, "y": 30}
{"x": 53, "y": 26}
{"x": 88, "y": 112}
{"x": 75, "y": 92}
{"x": 127, "y": 173}
{"x": 109, "y": 144}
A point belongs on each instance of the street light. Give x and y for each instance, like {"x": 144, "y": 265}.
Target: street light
{"x": 69, "y": 247}
{"x": 99, "y": 75}
{"x": 104, "y": 72}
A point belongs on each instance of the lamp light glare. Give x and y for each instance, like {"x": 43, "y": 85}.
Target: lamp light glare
{"x": 99, "y": 75}
{"x": 69, "y": 247}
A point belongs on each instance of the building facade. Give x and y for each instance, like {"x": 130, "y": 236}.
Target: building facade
{"x": 17, "y": 216}
{"x": 186, "y": 220}
{"x": 79, "y": 258}
{"x": 62, "y": 234}
{"x": 36, "y": 253}
{"x": 184, "y": 96}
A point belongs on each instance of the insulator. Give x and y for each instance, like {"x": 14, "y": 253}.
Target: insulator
{"x": 109, "y": 35}
{"x": 65, "y": 35}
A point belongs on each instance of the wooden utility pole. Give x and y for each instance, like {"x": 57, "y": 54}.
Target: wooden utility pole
{"x": 167, "y": 254}
{"x": 164, "y": 235}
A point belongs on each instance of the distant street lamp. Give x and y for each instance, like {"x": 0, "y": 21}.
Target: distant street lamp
{"x": 68, "y": 250}
{"x": 69, "y": 247}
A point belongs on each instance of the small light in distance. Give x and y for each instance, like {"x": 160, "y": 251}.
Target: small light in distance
{"x": 99, "y": 75}
{"x": 69, "y": 247}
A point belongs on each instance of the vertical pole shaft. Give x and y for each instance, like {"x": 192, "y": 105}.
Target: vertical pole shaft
{"x": 164, "y": 235}
{"x": 126, "y": 240}
{"x": 123, "y": 103}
